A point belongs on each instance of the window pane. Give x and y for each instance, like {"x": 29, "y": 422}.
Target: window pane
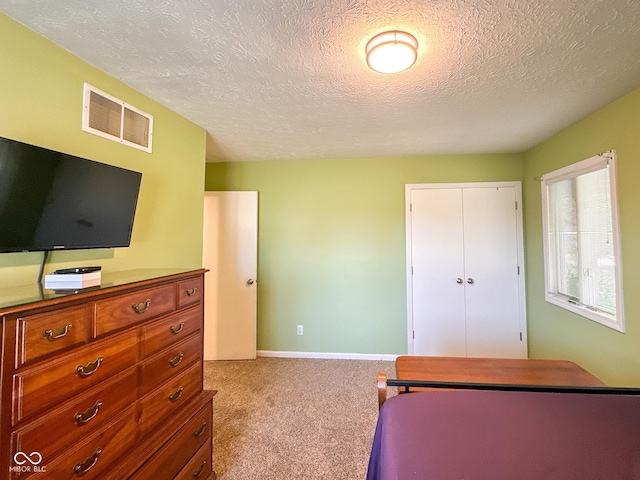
{"x": 596, "y": 240}
{"x": 563, "y": 230}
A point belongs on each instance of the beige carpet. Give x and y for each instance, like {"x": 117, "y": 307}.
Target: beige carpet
{"x": 281, "y": 418}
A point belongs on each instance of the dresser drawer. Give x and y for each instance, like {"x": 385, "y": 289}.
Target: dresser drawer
{"x": 47, "y": 333}
{"x": 77, "y": 417}
{"x": 162, "y": 333}
{"x": 38, "y": 388}
{"x": 183, "y": 446}
{"x": 96, "y": 454}
{"x": 200, "y": 465}
{"x": 162, "y": 403}
{"x": 190, "y": 291}
{"x": 170, "y": 362}
{"x": 125, "y": 310}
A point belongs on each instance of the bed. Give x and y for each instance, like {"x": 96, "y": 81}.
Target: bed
{"x": 497, "y": 431}
{"x": 510, "y": 371}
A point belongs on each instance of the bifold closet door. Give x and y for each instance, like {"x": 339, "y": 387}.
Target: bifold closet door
{"x": 491, "y": 262}
{"x": 464, "y": 282}
{"x": 438, "y": 269}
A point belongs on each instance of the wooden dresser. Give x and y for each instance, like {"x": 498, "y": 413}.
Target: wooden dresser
{"x": 106, "y": 383}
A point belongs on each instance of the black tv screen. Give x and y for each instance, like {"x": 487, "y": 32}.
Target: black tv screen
{"x": 53, "y": 201}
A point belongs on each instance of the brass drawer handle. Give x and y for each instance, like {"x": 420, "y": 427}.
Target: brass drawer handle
{"x": 56, "y": 333}
{"x": 82, "y": 468}
{"x": 198, "y": 472}
{"x": 89, "y": 413}
{"x": 176, "y": 329}
{"x": 175, "y": 361}
{"x": 89, "y": 368}
{"x": 176, "y": 395}
{"x": 191, "y": 292}
{"x": 141, "y": 307}
{"x": 200, "y": 430}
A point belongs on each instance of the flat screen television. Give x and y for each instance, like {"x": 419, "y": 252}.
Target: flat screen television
{"x": 54, "y": 201}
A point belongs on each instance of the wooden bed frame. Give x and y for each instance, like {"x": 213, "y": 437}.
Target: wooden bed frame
{"x": 528, "y": 431}
{"x": 384, "y": 383}
{"x": 419, "y": 373}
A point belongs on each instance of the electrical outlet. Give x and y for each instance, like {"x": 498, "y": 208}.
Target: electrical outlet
{"x": 300, "y": 330}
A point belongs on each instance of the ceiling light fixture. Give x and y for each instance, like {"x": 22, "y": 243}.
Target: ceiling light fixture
{"x": 392, "y": 51}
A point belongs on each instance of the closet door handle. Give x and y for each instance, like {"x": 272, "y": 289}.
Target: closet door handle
{"x": 459, "y": 280}
{"x": 470, "y": 281}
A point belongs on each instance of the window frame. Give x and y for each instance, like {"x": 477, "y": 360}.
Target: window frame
{"x": 592, "y": 164}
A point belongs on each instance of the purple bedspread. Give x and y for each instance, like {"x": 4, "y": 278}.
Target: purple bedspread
{"x": 492, "y": 435}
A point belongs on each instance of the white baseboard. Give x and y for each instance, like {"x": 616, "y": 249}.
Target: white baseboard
{"x": 333, "y": 356}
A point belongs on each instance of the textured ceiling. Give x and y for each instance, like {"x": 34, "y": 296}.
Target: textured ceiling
{"x": 274, "y": 80}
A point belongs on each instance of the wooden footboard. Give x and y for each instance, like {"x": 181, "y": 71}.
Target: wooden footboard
{"x": 404, "y": 385}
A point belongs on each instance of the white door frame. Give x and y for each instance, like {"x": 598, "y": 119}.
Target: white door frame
{"x": 520, "y": 236}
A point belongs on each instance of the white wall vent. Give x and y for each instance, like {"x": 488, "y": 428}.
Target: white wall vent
{"x": 109, "y": 117}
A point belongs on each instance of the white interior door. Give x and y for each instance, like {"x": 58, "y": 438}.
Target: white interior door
{"x": 465, "y": 281}
{"x": 230, "y": 252}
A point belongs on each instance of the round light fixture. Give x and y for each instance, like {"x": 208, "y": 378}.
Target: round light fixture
{"x": 392, "y": 51}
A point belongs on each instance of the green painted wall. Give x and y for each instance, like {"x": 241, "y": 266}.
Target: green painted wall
{"x": 553, "y": 331}
{"x": 332, "y": 244}
{"x": 332, "y": 238}
{"x": 41, "y": 89}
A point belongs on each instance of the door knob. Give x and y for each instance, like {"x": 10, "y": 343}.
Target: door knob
{"x": 470, "y": 281}
{"x": 458, "y": 280}
{"x": 250, "y": 282}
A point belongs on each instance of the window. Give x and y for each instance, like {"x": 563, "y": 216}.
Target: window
{"x": 111, "y": 118}
{"x": 581, "y": 241}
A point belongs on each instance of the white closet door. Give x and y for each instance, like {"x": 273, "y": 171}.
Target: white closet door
{"x": 465, "y": 288}
{"x": 438, "y": 297}
{"x": 491, "y": 262}
{"x": 230, "y": 253}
